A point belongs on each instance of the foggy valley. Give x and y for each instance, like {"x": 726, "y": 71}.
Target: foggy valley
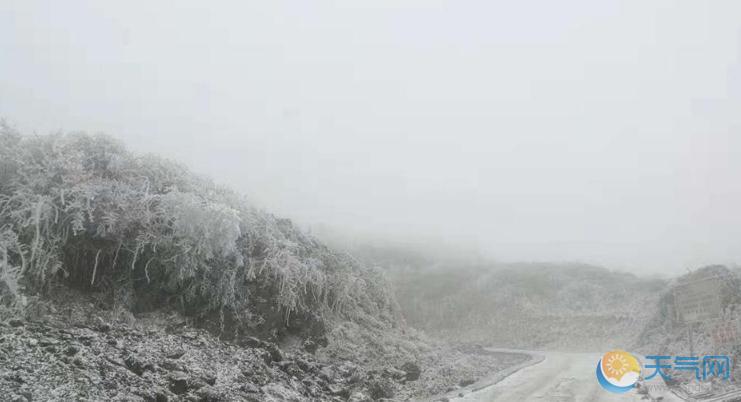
{"x": 370, "y": 201}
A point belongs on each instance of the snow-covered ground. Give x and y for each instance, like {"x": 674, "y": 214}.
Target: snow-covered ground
{"x": 561, "y": 376}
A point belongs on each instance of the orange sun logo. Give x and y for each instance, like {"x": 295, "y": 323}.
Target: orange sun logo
{"x": 617, "y": 363}
{"x": 618, "y": 371}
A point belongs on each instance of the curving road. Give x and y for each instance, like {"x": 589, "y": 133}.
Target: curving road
{"x": 560, "y": 377}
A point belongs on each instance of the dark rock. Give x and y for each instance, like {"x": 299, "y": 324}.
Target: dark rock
{"x": 249, "y": 388}
{"x": 277, "y": 391}
{"x": 44, "y": 342}
{"x": 192, "y": 335}
{"x": 250, "y": 342}
{"x": 275, "y": 353}
{"x": 305, "y": 365}
{"x": 157, "y": 395}
{"x": 310, "y": 346}
{"x": 347, "y": 369}
{"x": 175, "y": 354}
{"x": 314, "y": 390}
{"x": 178, "y": 383}
{"x": 211, "y": 394}
{"x": 196, "y": 383}
{"x": 290, "y": 368}
{"x": 135, "y": 365}
{"x": 327, "y": 374}
{"x": 359, "y": 397}
{"x": 338, "y": 390}
{"x": 15, "y": 377}
{"x": 395, "y": 374}
{"x": 86, "y": 338}
{"x": 355, "y": 378}
{"x": 412, "y": 371}
{"x": 381, "y": 388}
{"x": 466, "y": 382}
{"x": 210, "y": 379}
{"x": 171, "y": 365}
{"x": 71, "y": 350}
{"x": 176, "y": 327}
{"x": 266, "y": 357}
{"x": 322, "y": 341}
{"x": 160, "y": 395}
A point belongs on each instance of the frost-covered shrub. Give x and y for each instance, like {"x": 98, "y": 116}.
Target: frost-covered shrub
{"x": 83, "y": 210}
{"x": 10, "y": 289}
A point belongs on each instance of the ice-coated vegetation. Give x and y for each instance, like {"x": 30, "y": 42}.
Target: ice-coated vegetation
{"x": 91, "y": 233}
{"x": 81, "y": 210}
{"x": 558, "y": 306}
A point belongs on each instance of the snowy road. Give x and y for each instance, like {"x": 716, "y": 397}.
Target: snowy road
{"x": 561, "y": 376}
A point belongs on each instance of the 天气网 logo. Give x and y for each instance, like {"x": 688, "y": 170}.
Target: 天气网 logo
{"x": 618, "y": 371}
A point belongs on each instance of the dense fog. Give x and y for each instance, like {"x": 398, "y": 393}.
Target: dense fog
{"x": 601, "y": 132}
{"x": 362, "y": 201}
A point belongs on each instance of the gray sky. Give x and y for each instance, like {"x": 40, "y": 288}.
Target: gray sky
{"x": 601, "y": 131}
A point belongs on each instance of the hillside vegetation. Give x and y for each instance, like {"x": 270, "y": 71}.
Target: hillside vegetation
{"x": 144, "y": 232}
{"x": 666, "y": 333}
{"x": 127, "y": 277}
{"x": 532, "y": 305}
{"x": 523, "y": 305}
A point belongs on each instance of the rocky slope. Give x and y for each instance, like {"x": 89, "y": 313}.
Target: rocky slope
{"x": 76, "y": 351}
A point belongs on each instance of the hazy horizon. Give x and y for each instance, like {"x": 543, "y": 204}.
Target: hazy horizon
{"x": 603, "y": 132}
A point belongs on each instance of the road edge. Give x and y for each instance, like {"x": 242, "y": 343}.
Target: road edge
{"x": 494, "y": 378}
